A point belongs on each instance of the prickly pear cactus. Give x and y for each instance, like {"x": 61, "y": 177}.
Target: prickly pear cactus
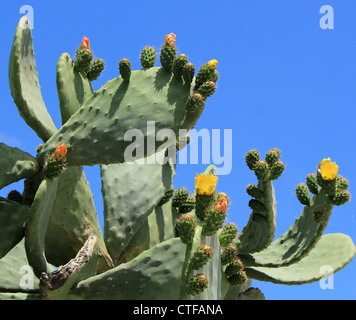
{"x": 159, "y": 242}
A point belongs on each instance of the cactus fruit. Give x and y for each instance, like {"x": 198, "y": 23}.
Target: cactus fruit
{"x": 158, "y": 243}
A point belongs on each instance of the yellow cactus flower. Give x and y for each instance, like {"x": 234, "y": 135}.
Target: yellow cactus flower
{"x": 211, "y": 64}
{"x": 205, "y": 184}
{"x": 328, "y": 169}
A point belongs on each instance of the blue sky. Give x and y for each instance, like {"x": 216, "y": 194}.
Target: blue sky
{"x": 285, "y": 83}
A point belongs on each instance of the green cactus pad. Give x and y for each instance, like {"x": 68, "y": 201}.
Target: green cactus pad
{"x": 251, "y": 158}
{"x": 213, "y": 221}
{"x": 185, "y": 226}
{"x": 257, "y": 236}
{"x": 188, "y": 73}
{"x": 188, "y": 205}
{"x": 96, "y": 133}
{"x": 154, "y": 274}
{"x": 36, "y": 226}
{"x": 24, "y": 85}
{"x": 340, "y": 197}
{"x": 158, "y": 227}
{"x": 276, "y": 170}
{"x": 261, "y": 170}
{"x": 229, "y": 254}
{"x": 15, "y": 273}
{"x": 256, "y": 205}
{"x": 234, "y": 267}
{"x": 312, "y": 183}
{"x": 180, "y": 195}
{"x": 333, "y": 250}
{"x": 207, "y": 89}
{"x": 201, "y": 256}
{"x": 272, "y": 156}
{"x": 167, "y": 57}
{"x": 73, "y": 87}
{"x": 197, "y": 284}
{"x": 298, "y": 240}
{"x": 254, "y": 191}
{"x": 131, "y": 191}
{"x": 83, "y": 59}
{"x": 13, "y": 217}
{"x": 178, "y": 65}
{"x": 15, "y": 165}
{"x": 167, "y": 196}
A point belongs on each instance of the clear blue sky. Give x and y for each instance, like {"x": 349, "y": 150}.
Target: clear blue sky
{"x": 285, "y": 83}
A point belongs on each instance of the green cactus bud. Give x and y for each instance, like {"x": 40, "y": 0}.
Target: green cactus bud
{"x": 228, "y": 234}
{"x": 272, "y": 156}
{"x": 188, "y": 205}
{"x": 125, "y": 69}
{"x": 180, "y": 195}
{"x": 167, "y": 196}
{"x": 185, "y": 226}
{"x": 341, "y": 183}
{"x": 53, "y": 168}
{"x": 302, "y": 193}
{"x": 195, "y": 103}
{"x": 256, "y": 206}
{"x": 254, "y": 191}
{"x": 214, "y": 218}
{"x": 234, "y": 267}
{"x": 237, "y": 279}
{"x": 207, "y": 89}
{"x": 312, "y": 183}
{"x": 201, "y": 256}
{"x": 178, "y": 65}
{"x": 197, "y": 284}
{"x": 261, "y": 170}
{"x": 82, "y": 60}
{"x": 258, "y": 218}
{"x": 229, "y": 254}
{"x": 202, "y": 203}
{"x": 14, "y": 195}
{"x": 205, "y": 74}
{"x": 95, "y": 69}
{"x": 328, "y": 185}
{"x": 251, "y": 158}
{"x": 167, "y": 57}
{"x": 276, "y": 170}
{"x": 148, "y": 57}
{"x": 340, "y": 197}
{"x": 188, "y": 73}
{"x": 320, "y": 215}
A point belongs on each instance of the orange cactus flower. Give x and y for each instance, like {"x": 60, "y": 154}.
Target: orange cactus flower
{"x": 85, "y": 43}
{"x": 170, "y": 40}
{"x": 60, "y": 152}
{"x": 328, "y": 169}
{"x": 221, "y": 206}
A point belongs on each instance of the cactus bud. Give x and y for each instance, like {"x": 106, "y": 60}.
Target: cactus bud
{"x": 201, "y": 257}
{"x": 302, "y": 193}
{"x": 341, "y": 183}
{"x": 197, "y": 284}
{"x": 167, "y": 196}
{"x": 272, "y": 156}
{"x": 195, "y": 103}
{"x": 234, "y": 267}
{"x": 168, "y": 52}
{"x": 95, "y": 69}
{"x": 229, "y": 254}
{"x": 276, "y": 170}
{"x": 256, "y": 206}
{"x": 261, "y": 170}
{"x": 237, "y": 279}
{"x": 188, "y": 73}
{"x": 251, "y": 158}
{"x": 206, "y": 72}
{"x": 125, "y": 69}
{"x": 340, "y": 197}
{"x": 56, "y": 162}
{"x": 185, "y": 226}
{"x": 180, "y": 195}
{"x": 188, "y": 205}
{"x": 14, "y": 195}
{"x": 83, "y": 56}
{"x": 228, "y": 234}
{"x": 258, "y": 218}
{"x": 148, "y": 57}
{"x": 212, "y": 64}
{"x": 178, "y": 65}
{"x": 254, "y": 191}
{"x": 214, "y": 218}
{"x": 207, "y": 89}
{"x": 312, "y": 183}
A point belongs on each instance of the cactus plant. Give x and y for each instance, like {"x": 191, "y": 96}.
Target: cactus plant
{"x": 158, "y": 242}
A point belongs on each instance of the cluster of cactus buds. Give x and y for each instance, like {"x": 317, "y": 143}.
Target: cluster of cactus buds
{"x": 84, "y": 61}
